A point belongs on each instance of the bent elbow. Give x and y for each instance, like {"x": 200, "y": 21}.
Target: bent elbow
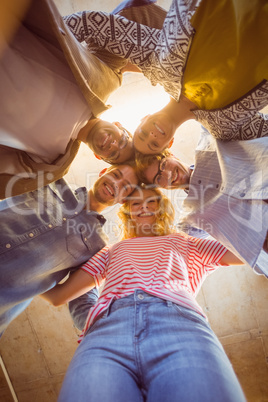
{"x": 56, "y": 302}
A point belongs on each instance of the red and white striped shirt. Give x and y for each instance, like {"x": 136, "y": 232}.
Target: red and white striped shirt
{"x": 171, "y": 267}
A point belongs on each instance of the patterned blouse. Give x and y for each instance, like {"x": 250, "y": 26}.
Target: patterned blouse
{"x": 162, "y": 55}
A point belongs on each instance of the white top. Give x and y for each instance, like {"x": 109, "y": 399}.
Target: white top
{"x": 41, "y": 106}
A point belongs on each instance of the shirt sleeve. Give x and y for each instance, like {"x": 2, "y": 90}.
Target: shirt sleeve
{"x": 97, "y": 265}
{"x": 117, "y": 34}
{"x": 161, "y": 54}
{"x": 208, "y": 251}
{"x": 230, "y": 123}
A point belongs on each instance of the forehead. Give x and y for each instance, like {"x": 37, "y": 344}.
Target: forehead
{"x": 143, "y": 194}
{"x": 102, "y": 124}
{"x": 124, "y": 172}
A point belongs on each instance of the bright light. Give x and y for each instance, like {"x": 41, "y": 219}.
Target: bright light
{"x": 133, "y": 100}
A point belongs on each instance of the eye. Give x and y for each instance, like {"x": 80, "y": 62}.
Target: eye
{"x": 114, "y": 155}
{"x": 124, "y": 139}
{"x": 144, "y": 133}
{"x": 163, "y": 165}
{"x": 158, "y": 179}
{"x": 116, "y": 175}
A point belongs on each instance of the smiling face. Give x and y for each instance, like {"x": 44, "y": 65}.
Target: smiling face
{"x": 115, "y": 185}
{"x": 143, "y": 208}
{"x": 168, "y": 173}
{"x": 154, "y": 134}
{"x": 110, "y": 142}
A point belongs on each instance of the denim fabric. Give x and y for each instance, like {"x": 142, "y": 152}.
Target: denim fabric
{"x": 79, "y": 307}
{"x": 147, "y": 349}
{"x": 43, "y": 234}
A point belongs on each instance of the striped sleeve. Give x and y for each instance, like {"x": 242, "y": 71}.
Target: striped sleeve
{"x": 210, "y": 251}
{"x": 97, "y": 265}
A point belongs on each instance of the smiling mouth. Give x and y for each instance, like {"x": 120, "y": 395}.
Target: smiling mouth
{"x": 109, "y": 189}
{"x": 146, "y": 214}
{"x": 106, "y": 143}
{"x": 159, "y": 129}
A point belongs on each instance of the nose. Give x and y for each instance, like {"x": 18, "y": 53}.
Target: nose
{"x": 114, "y": 144}
{"x": 166, "y": 173}
{"x": 144, "y": 205}
{"x": 117, "y": 188}
{"x": 153, "y": 133}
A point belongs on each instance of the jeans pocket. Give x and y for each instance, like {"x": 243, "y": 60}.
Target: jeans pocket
{"x": 100, "y": 319}
{"x": 189, "y": 314}
{"x": 98, "y": 322}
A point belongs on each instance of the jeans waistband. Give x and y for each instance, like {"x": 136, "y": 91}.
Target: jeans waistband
{"x": 139, "y": 296}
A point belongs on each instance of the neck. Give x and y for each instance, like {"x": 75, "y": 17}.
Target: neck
{"x": 181, "y": 111}
{"x": 86, "y": 130}
{"x": 145, "y": 230}
{"x": 94, "y": 204}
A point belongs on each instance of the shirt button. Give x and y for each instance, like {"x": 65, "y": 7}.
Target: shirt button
{"x": 199, "y": 181}
{"x": 85, "y": 239}
{"x": 64, "y": 219}
{"x": 141, "y": 297}
{"x": 8, "y": 245}
{"x": 242, "y": 194}
{"x": 217, "y": 186}
{"x": 31, "y": 235}
{"x": 50, "y": 226}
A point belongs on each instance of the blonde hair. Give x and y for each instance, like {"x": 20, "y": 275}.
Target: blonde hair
{"x": 144, "y": 161}
{"x": 164, "y": 218}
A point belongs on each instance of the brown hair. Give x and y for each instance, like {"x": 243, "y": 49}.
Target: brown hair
{"x": 144, "y": 161}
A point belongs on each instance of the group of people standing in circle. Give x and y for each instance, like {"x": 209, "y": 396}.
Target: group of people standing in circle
{"x": 144, "y": 338}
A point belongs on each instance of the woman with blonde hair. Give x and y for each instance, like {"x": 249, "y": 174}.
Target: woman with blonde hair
{"x": 164, "y": 217}
{"x": 147, "y": 339}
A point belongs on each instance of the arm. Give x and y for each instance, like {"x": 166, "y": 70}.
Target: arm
{"x": 230, "y": 259}
{"x": 160, "y": 55}
{"x": 230, "y": 123}
{"x": 77, "y": 284}
{"x": 133, "y": 40}
{"x": 212, "y": 252}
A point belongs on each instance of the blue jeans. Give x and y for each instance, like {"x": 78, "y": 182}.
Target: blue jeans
{"x": 147, "y": 349}
{"x": 43, "y": 235}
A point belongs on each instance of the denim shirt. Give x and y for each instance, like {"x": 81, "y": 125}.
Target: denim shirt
{"x": 44, "y": 234}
